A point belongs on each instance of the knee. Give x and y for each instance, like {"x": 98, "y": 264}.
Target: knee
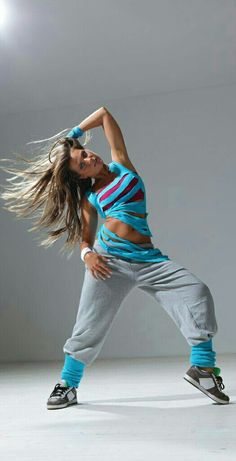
{"x": 204, "y": 290}
{"x": 200, "y": 303}
{"x": 208, "y": 308}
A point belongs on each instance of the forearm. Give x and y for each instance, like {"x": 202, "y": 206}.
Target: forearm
{"x": 85, "y": 244}
{"x": 94, "y": 120}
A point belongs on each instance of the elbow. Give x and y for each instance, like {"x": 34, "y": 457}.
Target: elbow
{"x": 105, "y": 110}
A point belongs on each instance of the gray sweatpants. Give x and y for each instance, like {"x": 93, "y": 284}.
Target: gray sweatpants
{"x": 186, "y": 299}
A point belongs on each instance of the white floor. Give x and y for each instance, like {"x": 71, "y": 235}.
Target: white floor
{"x": 132, "y": 409}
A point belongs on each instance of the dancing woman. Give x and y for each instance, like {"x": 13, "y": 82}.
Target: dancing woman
{"x": 73, "y": 185}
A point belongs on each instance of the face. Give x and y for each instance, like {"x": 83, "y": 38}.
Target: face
{"x": 85, "y": 162}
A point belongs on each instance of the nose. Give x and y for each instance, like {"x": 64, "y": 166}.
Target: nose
{"x": 92, "y": 161}
{"x": 89, "y": 161}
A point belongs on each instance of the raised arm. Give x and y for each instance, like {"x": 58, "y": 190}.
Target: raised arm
{"x": 102, "y": 117}
{"x": 116, "y": 141}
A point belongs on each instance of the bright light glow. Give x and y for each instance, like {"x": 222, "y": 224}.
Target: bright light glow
{"x": 3, "y": 13}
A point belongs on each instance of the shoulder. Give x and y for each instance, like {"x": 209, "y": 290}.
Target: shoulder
{"x": 122, "y": 165}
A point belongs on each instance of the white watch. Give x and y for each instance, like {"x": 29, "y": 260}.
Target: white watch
{"x": 85, "y": 251}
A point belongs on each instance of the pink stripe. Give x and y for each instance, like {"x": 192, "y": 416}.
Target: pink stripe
{"x": 130, "y": 186}
{"x": 139, "y": 195}
{"x": 113, "y": 189}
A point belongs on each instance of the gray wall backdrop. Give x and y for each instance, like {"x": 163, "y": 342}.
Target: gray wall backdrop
{"x": 183, "y": 145}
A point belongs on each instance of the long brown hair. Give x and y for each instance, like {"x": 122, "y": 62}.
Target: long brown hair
{"x": 50, "y": 190}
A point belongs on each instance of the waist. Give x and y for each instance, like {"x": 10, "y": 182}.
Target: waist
{"x": 126, "y": 231}
{"x": 130, "y": 226}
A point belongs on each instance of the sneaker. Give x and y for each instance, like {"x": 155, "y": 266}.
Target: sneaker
{"x": 208, "y": 383}
{"x": 62, "y": 396}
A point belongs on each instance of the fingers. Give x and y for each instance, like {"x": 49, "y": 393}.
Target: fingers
{"x": 98, "y": 274}
{"x": 105, "y": 258}
{"x": 102, "y": 270}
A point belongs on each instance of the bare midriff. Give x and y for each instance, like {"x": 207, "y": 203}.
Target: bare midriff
{"x": 126, "y": 231}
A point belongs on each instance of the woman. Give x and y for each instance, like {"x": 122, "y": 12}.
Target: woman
{"x": 120, "y": 258}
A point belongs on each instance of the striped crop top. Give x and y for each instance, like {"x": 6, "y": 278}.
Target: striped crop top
{"x": 122, "y": 198}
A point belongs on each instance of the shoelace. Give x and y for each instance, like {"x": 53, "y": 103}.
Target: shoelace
{"x": 219, "y": 383}
{"x": 58, "y": 390}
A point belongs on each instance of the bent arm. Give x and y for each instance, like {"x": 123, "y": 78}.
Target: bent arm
{"x": 102, "y": 117}
{"x": 93, "y": 120}
{"x": 113, "y": 134}
{"x": 116, "y": 141}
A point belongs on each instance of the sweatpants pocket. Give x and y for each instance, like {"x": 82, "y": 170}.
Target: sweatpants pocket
{"x": 199, "y": 311}
{"x": 202, "y": 310}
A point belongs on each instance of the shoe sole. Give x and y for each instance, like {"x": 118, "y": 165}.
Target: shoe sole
{"x": 63, "y": 405}
{"x": 198, "y": 386}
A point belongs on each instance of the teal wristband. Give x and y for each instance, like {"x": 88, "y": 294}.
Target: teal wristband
{"x": 76, "y": 132}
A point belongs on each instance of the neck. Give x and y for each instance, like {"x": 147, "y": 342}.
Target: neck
{"x": 103, "y": 174}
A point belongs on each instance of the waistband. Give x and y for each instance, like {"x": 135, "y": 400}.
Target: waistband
{"x": 144, "y": 245}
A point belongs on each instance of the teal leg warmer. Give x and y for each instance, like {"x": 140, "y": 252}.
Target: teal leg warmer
{"x": 72, "y": 371}
{"x": 202, "y": 355}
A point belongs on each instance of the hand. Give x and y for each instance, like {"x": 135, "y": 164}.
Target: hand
{"x": 97, "y": 265}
